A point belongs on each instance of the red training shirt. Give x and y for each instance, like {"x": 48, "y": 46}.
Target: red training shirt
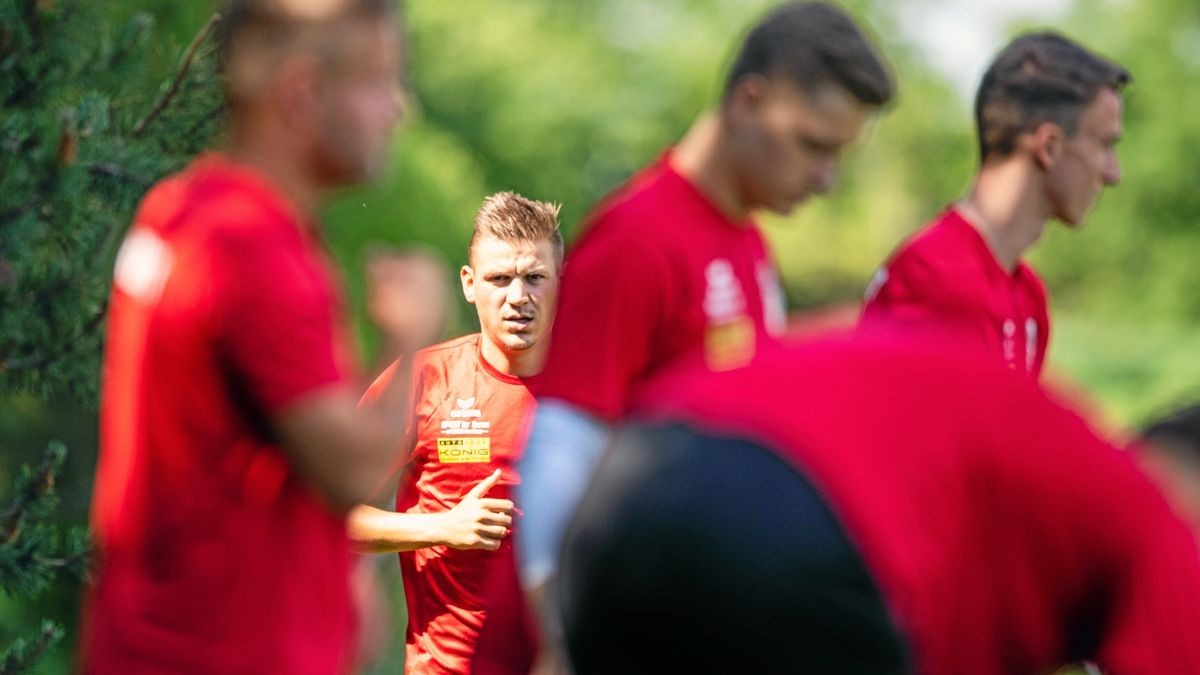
{"x": 465, "y": 609}
{"x": 214, "y": 555}
{"x": 946, "y": 277}
{"x": 658, "y": 273}
{"x": 997, "y": 524}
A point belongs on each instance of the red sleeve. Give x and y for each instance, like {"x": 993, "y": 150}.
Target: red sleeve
{"x": 912, "y": 293}
{"x": 616, "y": 291}
{"x": 279, "y": 322}
{"x": 1099, "y": 525}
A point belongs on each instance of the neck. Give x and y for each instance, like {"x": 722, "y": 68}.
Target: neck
{"x": 702, "y": 158}
{"x": 266, "y": 148}
{"x": 1006, "y": 206}
{"x": 524, "y": 363}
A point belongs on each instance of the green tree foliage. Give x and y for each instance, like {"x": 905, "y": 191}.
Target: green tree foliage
{"x": 81, "y": 138}
{"x": 33, "y": 552}
{"x": 78, "y": 147}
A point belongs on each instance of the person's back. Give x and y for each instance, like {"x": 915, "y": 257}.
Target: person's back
{"x": 998, "y": 533}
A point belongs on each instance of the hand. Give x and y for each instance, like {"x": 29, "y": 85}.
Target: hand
{"x": 477, "y": 521}
{"x": 407, "y": 296}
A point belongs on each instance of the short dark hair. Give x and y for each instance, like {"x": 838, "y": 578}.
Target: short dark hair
{"x": 1039, "y": 77}
{"x": 814, "y": 44}
{"x": 262, "y": 30}
{"x": 1178, "y": 431}
{"x": 508, "y": 216}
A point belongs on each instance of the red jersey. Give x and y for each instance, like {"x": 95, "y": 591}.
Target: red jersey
{"x": 999, "y": 527}
{"x": 946, "y": 277}
{"x": 465, "y": 609}
{"x": 659, "y": 273}
{"x": 214, "y": 555}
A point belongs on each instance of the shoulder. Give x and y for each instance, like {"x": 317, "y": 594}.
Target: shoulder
{"x": 449, "y": 351}
{"x": 1031, "y": 280}
{"x": 940, "y": 261}
{"x": 645, "y": 207}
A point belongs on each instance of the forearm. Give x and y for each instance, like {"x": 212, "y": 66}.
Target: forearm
{"x": 375, "y": 530}
{"x": 343, "y": 450}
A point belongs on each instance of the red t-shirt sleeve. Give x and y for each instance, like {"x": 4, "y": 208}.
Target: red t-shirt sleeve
{"x": 1101, "y": 523}
{"x": 279, "y": 323}
{"x": 615, "y": 301}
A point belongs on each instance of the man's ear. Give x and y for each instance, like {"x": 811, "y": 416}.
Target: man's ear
{"x": 294, "y": 89}
{"x": 467, "y": 276}
{"x": 1046, "y": 144}
{"x": 746, "y": 96}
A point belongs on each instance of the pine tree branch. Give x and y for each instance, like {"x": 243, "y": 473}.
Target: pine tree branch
{"x": 20, "y": 658}
{"x": 120, "y": 173}
{"x": 41, "y": 485}
{"x": 177, "y": 82}
{"x": 40, "y": 359}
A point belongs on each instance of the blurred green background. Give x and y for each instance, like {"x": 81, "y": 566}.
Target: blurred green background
{"x": 562, "y": 100}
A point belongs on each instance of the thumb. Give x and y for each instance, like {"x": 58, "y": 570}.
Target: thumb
{"x": 483, "y": 486}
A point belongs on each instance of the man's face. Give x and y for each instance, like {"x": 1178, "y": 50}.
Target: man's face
{"x": 514, "y": 287}
{"x": 1088, "y": 162}
{"x": 359, "y": 102}
{"x": 788, "y": 142}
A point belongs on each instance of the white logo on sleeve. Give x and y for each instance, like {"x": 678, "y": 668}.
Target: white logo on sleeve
{"x": 465, "y": 403}
{"x": 143, "y": 265}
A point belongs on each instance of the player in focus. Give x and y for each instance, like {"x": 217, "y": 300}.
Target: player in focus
{"x": 471, "y": 412}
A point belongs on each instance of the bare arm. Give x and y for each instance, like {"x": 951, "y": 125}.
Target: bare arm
{"x": 476, "y": 522}
{"x": 343, "y": 450}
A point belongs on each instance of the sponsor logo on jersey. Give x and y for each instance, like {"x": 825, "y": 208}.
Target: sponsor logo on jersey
{"x": 729, "y": 337}
{"x": 464, "y": 450}
{"x": 465, "y": 419}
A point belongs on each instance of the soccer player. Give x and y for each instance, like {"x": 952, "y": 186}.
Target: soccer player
{"x": 1048, "y": 115}
{"x": 672, "y": 266}
{"x": 471, "y": 412}
{"x": 872, "y": 507}
{"x": 231, "y": 443}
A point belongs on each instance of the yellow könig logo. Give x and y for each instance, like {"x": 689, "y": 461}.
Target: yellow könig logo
{"x": 464, "y": 450}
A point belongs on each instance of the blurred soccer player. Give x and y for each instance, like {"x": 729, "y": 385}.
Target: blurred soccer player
{"x": 471, "y": 412}
{"x": 1169, "y": 450}
{"x": 231, "y": 441}
{"x": 1048, "y": 115}
{"x": 672, "y": 265}
{"x": 867, "y": 507}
